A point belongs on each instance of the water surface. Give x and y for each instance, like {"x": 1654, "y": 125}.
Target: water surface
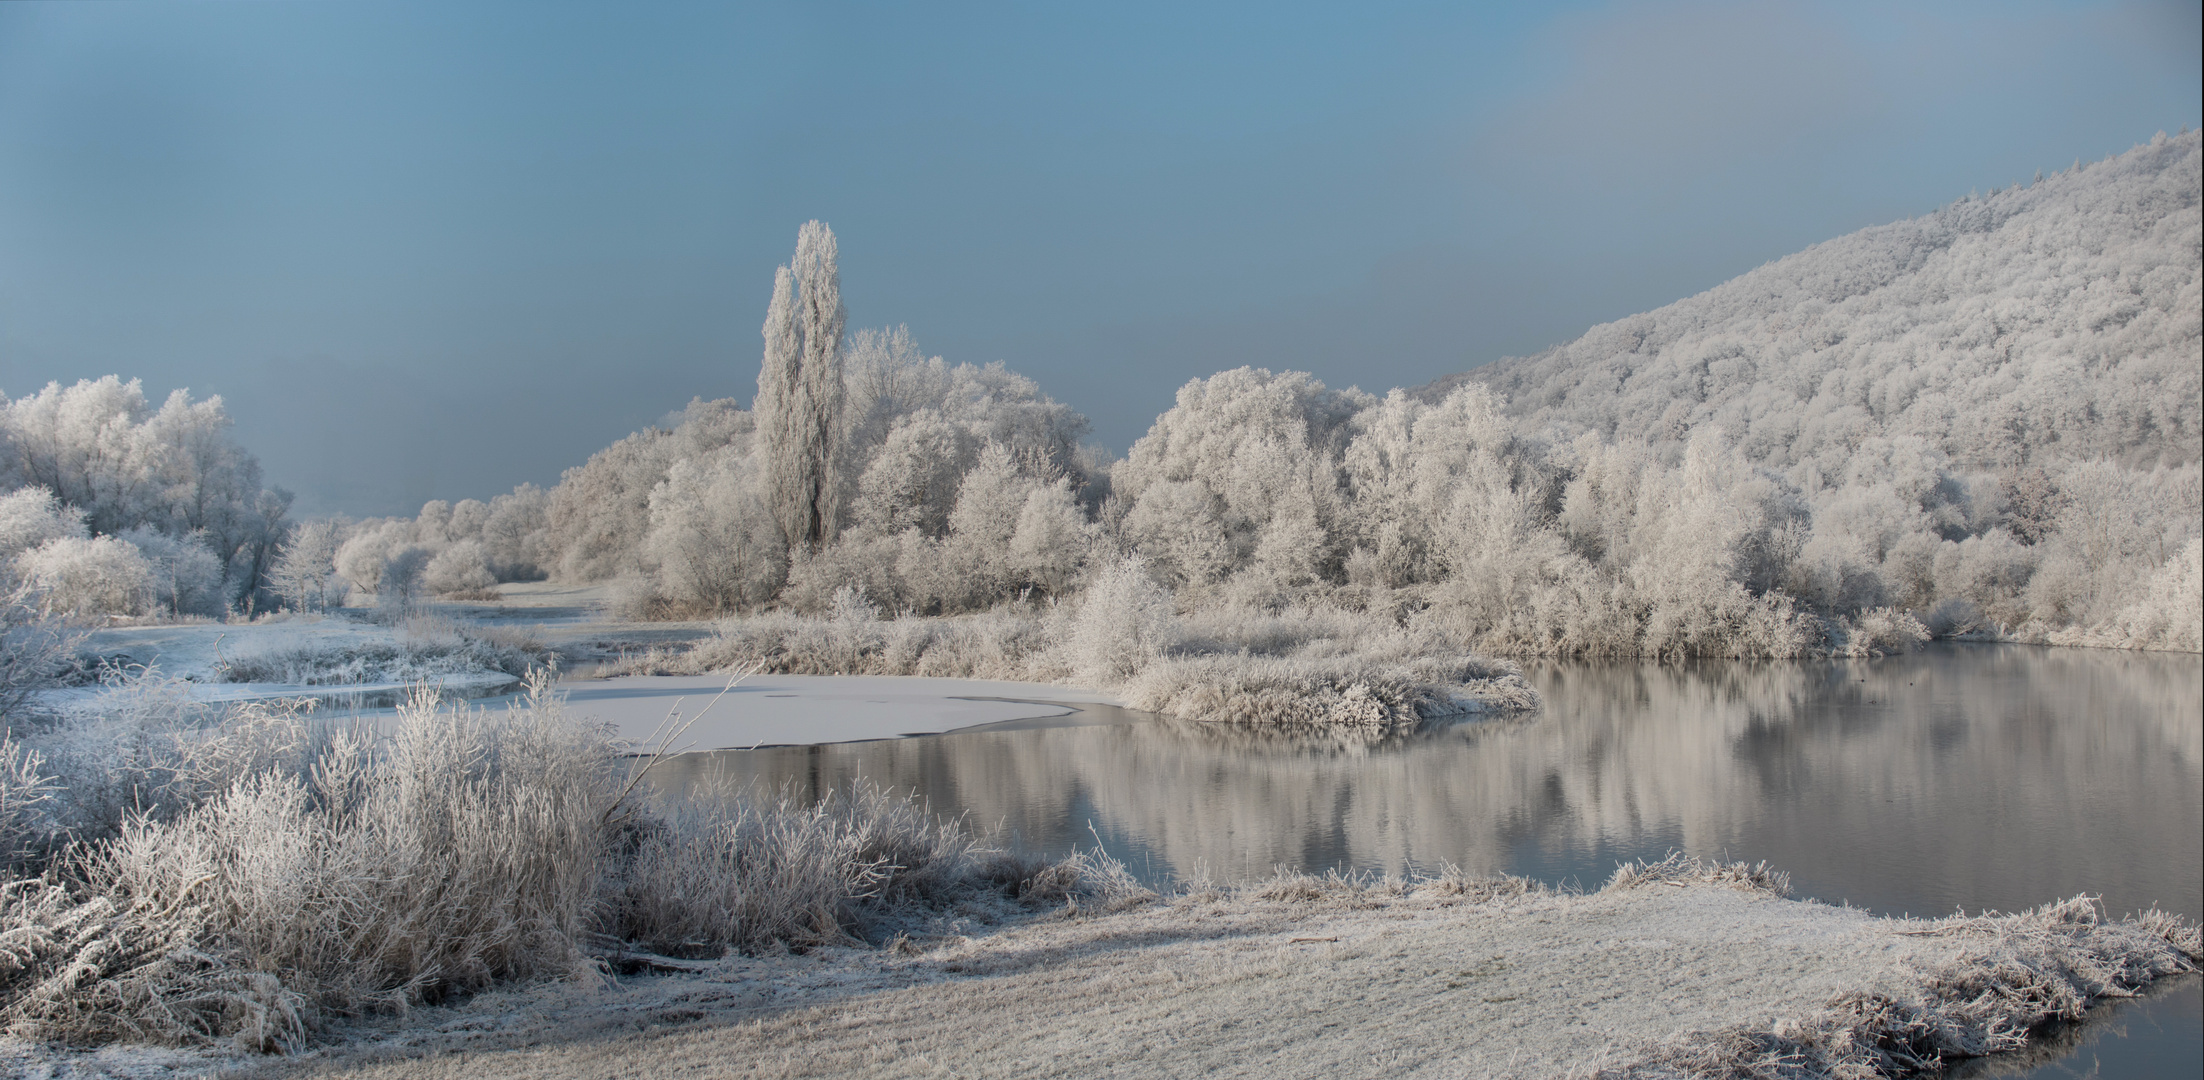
{"x": 1975, "y": 777}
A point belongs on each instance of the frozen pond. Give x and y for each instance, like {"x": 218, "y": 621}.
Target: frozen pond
{"x": 1960, "y": 777}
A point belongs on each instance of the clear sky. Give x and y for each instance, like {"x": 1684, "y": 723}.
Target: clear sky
{"x": 434, "y": 250}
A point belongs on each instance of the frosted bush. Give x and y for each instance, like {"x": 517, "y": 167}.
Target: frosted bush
{"x": 713, "y": 539}
{"x": 99, "y": 576}
{"x": 1953, "y": 618}
{"x": 26, "y": 790}
{"x": 1881, "y": 632}
{"x": 1324, "y": 692}
{"x": 1124, "y": 622}
{"x": 2169, "y": 613}
{"x": 1990, "y": 571}
{"x": 271, "y": 872}
{"x": 516, "y": 534}
{"x": 34, "y": 649}
{"x": 739, "y": 871}
{"x": 426, "y": 650}
{"x": 460, "y": 570}
{"x": 465, "y": 856}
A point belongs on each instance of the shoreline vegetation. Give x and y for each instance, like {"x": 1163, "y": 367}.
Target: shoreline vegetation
{"x": 1301, "y": 668}
{"x": 281, "y": 882}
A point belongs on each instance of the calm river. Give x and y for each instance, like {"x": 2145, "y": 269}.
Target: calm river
{"x": 1965, "y": 776}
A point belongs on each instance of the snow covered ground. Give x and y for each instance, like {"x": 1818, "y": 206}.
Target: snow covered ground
{"x": 1327, "y": 980}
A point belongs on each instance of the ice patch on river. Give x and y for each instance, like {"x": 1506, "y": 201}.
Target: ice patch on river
{"x": 713, "y": 712}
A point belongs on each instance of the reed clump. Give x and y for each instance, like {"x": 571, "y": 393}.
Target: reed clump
{"x": 424, "y": 648}
{"x": 289, "y": 871}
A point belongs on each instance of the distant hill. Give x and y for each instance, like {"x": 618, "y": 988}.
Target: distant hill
{"x": 2056, "y": 321}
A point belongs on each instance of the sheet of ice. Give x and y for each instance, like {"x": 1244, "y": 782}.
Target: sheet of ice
{"x": 778, "y": 710}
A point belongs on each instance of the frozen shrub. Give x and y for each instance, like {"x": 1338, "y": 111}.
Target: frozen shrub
{"x": 465, "y": 856}
{"x": 150, "y": 750}
{"x": 34, "y": 649}
{"x": 270, "y": 872}
{"x": 99, "y": 576}
{"x": 25, "y": 791}
{"x": 1327, "y": 692}
{"x": 1881, "y": 632}
{"x": 1124, "y": 622}
{"x": 516, "y": 534}
{"x": 427, "y": 650}
{"x": 1678, "y": 867}
{"x": 460, "y": 570}
{"x": 2168, "y": 613}
{"x": 1953, "y": 618}
{"x": 738, "y": 871}
{"x": 1990, "y": 571}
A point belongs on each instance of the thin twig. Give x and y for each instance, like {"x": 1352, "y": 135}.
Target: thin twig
{"x": 665, "y": 739}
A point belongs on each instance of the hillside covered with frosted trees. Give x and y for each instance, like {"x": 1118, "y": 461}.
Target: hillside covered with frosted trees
{"x": 2059, "y": 321}
{"x": 1997, "y": 403}
{"x": 1982, "y": 422}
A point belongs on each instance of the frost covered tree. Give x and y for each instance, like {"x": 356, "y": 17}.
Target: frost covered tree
{"x": 714, "y": 544}
{"x": 398, "y": 585}
{"x": 186, "y": 579}
{"x": 800, "y": 393}
{"x": 1245, "y": 455}
{"x": 460, "y": 569}
{"x": 31, "y": 516}
{"x": 102, "y": 449}
{"x": 305, "y": 574}
{"x": 516, "y": 534}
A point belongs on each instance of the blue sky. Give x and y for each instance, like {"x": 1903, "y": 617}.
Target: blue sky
{"x": 434, "y": 250}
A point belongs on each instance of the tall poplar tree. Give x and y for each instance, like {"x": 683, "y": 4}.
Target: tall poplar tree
{"x": 799, "y": 403}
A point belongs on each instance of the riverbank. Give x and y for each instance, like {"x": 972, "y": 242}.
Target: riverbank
{"x": 1674, "y": 969}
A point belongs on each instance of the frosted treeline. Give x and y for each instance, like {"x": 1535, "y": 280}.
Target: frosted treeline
{"x": 1985, "y": 421}
{"x": 113, "y": 507}
{"x": 2054, "y": 322}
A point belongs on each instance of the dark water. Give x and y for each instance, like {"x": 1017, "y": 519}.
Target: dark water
{"x": 1964, "y": 777}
